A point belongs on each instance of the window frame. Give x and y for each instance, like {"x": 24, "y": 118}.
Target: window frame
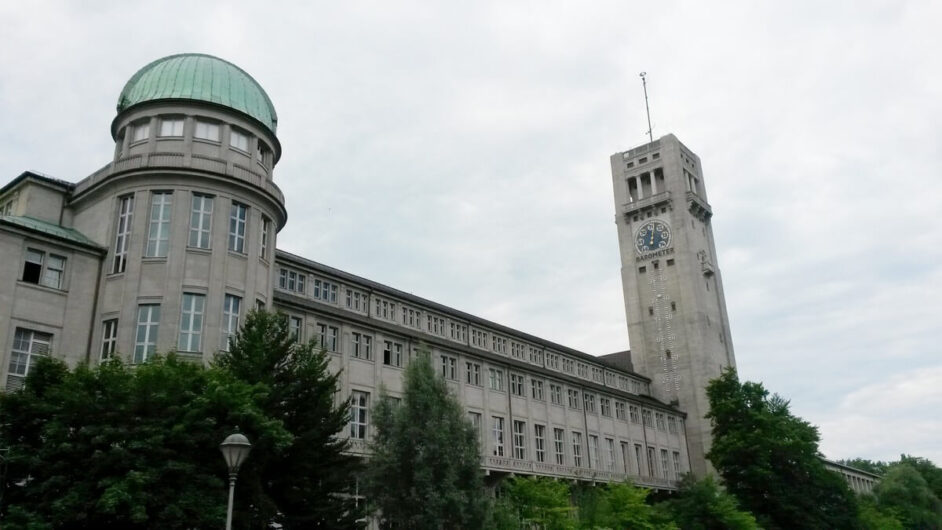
{"x": 190, "y": 339}
{"x": 158, "y": 245}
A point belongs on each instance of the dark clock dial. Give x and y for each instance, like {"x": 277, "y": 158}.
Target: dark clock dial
{"x": 653, "y": 235}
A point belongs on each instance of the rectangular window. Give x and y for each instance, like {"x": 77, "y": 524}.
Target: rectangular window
{"x": 158, "y": 231}
{"x": 520, "y": 440}
{"x": 594, "y": 452}
{"x": 567, "y": 365}
{"x": 659, "y": 421}
{"x": 206, "y": 130}
{"x": 449, "y": 368}
{"x": 573, "y": 398}
{"x": 610, "y": 454}
{"x": 171, "y": 127}
{"x": 327, "y": 337}
{"x": 620, "y": 410}
{"x": 539, "y": 442}
{"x": 651, "y": 465}
{"x": 500, "y": 344}
{"x": 42, "y": 270}
{"x": 201, "y": 220}
{"x": 295, "y": 326}
{"x": 191, "y": 322}
{"x": 589, "y": 402}
{"x": 264, "y": 238}
{"x": 536, "y": 389}
{"x": 475, "y": 419}
{"x": 577, "y": 449}
{"x": 325, "y": 290}
{"x": 498, "y": 435}
{"x": 141, "y": 131}
{"x": 123, "y": 233}
{"x": 237, "y": 216}
{"x": 646, "y": 418}
{"x": 605, "y": 405}
{"x": 359, "y": 414}
{"x": 231, "y": 309}
{"x": 677, "y": 469}
{"x": 672, "y": 425}
{"x": 556, "y": 394}
{"x": 27, "y": 346}
{"x": 624, "y": 457}
{"x": 145, "y": 341}
{"x": 392, "y": 353}
{"x": 552, "y": 361}
{"x": 109, "y": 338}
{"x": 516, "y": 384}
{"x": 638, "y": 458}
{"x": 665, "y": 467}
{"x": 633, "y": 410}
{"x": 473, "y": 373}
{"x": 366, "y": 348}
{"x": 559, "y": 446}
{"x": 239, "y": 140}
{"x": 496, "y": 379}
{"x": 290, "y": 280}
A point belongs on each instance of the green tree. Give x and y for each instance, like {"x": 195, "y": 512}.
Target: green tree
{"x": 929, "y": 472}
{"x": 873, "y": 517}
{"x": 115, "y": 447}
{"x": 873, "y": 466}
{"x": 424, "y": 472}
{"x": 618, "y": 506}
{"x": 906, "y": 494}
{"x": 311, "y": 483}
{"x": 534, "y": 501}
{"x": 769, "y": 459}
{"x": 704, "y": 505}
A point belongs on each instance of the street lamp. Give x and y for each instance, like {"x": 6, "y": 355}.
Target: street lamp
{"x": 235, "y": 449}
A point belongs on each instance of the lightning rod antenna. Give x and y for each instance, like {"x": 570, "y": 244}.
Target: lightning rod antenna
{"x": 647, "y": 109}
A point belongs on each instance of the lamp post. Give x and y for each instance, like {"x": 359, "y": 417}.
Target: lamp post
{"x": 235, "y": 449}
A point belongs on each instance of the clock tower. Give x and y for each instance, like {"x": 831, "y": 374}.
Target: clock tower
{"x": 674, "y": 303}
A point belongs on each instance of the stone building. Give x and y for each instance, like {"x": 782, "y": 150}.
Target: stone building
{"x": 169, "y": 244}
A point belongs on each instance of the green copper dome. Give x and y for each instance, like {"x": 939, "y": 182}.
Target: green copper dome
{"x": 203, "y": 78}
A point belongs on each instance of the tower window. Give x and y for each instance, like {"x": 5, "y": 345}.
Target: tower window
{"x": 642, "y": 269}
{"x": 141, "y": 131}
{"x": 673, "y": 306}
{"x": 655, "y": 156}
{"x": 171, "y": 127}
{"x": 656, "y": 265}
{"x": 207, "y": 130}
{"x": 239, "y": 140}
{"x": 642, "y": 160}
{"x": 670, "y": 263}
{"x": 631, "y": 165}
{"x": 651, "y": 310}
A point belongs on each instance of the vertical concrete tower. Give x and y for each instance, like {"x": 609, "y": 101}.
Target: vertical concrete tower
{"x": 674, "y": 303}
{"x": 187, "y": 209}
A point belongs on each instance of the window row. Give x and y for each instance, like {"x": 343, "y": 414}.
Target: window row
{"x": 203, "y": 129}
{"x": 190, "y": 335}
{"x": 592, "y": 451}
{"x": 159, "y": 213}
{"x": 575, "y": 451}
{"x": 328, "y": 291}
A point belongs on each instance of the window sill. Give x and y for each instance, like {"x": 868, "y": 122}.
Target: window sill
{"x": 40, "y": 287}
{"x": 199, "y": 250}
{"x": 154, "y": 259}
{"x": 237, "y": 254}
{"x": 392, "y": 366}
{"x": 208, "y": 141}
{"x": 361, "y": 359}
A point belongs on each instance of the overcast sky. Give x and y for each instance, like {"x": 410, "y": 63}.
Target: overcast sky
{"x": 459, "y": 151}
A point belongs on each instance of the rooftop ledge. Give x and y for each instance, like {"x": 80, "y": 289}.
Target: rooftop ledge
{"x": 178, "y": 161}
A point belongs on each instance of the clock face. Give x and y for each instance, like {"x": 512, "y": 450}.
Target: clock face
{"x": 653, "y": 235}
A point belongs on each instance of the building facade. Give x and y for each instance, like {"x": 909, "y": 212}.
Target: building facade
{"x": 169, "y": 244}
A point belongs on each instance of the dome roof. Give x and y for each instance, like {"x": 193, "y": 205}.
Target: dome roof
{"x": 203, "y": 78}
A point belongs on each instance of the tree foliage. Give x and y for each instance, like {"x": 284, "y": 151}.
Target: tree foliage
{"x": 904, "y": 493}
{"x": 620, "y": 505}
{"x": 534, "y": 501}
{"x": 116, "y": 447}
{"x": 424, "y": 472}
{"x": 769, "y": 459}
{"x": 312, "y": 481}
{"x": 704, "y": 505}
